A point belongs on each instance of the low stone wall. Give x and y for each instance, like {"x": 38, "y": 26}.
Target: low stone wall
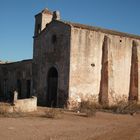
{"x": 25, "y": 105}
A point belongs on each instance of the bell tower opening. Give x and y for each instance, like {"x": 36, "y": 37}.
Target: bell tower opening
{"x": 41, "y": 20}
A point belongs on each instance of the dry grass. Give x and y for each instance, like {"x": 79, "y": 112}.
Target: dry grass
{"x": 13, "y": 115}
{"x": 6, "y": 110}
{"x": 121, "y": 106}
{"x": 126, "y": 107}
{"x": 88, "y": 107}
{"x": 53, "y": 113}
{"x": 4, "y": 107}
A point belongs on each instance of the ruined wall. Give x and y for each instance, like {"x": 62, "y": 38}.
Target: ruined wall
{"x": 51, "y": 49}
{"x": 20, "y": 105}
{"x": 25, "y": 105}
{"x": 41, "y": 20}
{"x": 14, "y": 76}
{"x": 88, "y": 63}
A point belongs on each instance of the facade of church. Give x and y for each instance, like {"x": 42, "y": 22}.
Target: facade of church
{"x": 73, "y": 62}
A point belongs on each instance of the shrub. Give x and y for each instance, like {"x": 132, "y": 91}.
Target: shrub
{"x": 6, "y": 110}
{"x": 88, "y": 107}
{"x": 53, "y": 113}
{"x": 126, "y": 107}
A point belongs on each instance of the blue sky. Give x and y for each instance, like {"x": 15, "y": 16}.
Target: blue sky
{"x": 17, "y": 20}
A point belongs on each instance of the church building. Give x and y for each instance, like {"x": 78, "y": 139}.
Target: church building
{"x": 73, "y": 62}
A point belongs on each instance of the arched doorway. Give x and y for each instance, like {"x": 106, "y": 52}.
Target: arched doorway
{"x": 52, "y": 84}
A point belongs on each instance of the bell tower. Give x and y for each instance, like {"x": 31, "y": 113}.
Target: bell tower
{"x": 41, "y": 20}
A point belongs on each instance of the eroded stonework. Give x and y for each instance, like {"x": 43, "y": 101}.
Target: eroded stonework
{"x": 74, "y": 62}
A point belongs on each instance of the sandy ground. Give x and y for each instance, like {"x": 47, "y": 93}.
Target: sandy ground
{"x": 103, "y": 126}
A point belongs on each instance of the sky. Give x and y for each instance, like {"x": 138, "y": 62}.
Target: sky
{"x": 17, "y": 20}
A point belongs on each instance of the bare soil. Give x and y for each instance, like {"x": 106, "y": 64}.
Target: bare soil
{"x": 72, "y": 126}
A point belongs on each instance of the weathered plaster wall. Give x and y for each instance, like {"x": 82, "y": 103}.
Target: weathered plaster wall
{"x": 48, "y": 54}
{"x": 119, "y": 68}
{"x": 46, "y": 18}
{"x": 86, "y": 52}
{"x": 10, "y": 73}
{"x": 86, "y": 64}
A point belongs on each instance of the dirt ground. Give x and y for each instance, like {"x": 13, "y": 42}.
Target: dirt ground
{"x": 102, "y": 126}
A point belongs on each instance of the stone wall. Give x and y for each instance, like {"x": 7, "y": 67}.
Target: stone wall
{"x": 16, "y": 76}
{"x": 22, "y": 105}
{"x": 25, "y": 105}
{"x": 51, "y": 50}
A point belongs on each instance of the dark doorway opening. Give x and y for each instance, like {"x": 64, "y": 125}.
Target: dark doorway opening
{"x": 52, "y": 82}
{"x": 5, "y": 90}
{"x": 28, "y": 91}
{"x": 19, "y": 88}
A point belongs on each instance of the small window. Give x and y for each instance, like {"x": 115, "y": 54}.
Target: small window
{"x": 54, "y": 39}
{"x": 38, "y": 28}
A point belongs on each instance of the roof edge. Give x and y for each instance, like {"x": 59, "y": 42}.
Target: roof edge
{"x": 107, "y": 31}
{"x": 22, "y": 61}
{"x": 93, "y": 28}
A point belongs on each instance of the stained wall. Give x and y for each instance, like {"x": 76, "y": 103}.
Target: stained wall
{"x": 86, "y": 65}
